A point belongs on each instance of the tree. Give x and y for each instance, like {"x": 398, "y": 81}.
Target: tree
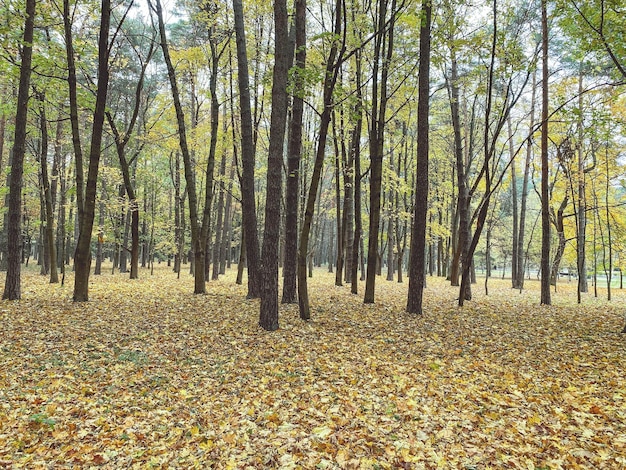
{"x": 293, "y": 158}
{"x": 383, "y": 52}
{"x": 82, "y": 255}
{"x": 545, "y": 209}
{"x": 418, "y": 231}
{"x": 333, "y": 62}
{"x": 268, "y": 318}
{"x": 12, "y": 287}
{"x": 122, "y": 139}
{"x": 248, "y": 206}
{"x": 47, "y": 194}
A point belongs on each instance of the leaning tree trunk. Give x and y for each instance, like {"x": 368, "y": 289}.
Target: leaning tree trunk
{"x": 182, "y": 134}
{"x": 330, "y": 79}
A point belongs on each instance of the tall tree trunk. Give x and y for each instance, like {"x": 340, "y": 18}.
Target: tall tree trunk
{"x": 294, "y": 149}
{"x": 73, "y": 101}
{"x": 418, "y": 232}
{"x": 220, "y": 223}
{"x": 514, "y": 201}
{"x": 545, "y": 214}
{"x": 524, "y": 201}
{"x": 355, "y": 155}
{"x": 12, "y": 287}
{"x": 330, "y": 79}
{"x": 247, "y": 157}
{"x": 99, "y": 250}
{"x": 268, "y": 317}
{"x": 51, "y": 249}
{"x": 182, "y": 138}
{"x": 82, "y": 255}
{"x": 581, "y": 257}
{"x": 383, "y": 51}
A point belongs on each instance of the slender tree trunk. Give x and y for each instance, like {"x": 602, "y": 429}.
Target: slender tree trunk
{"x": 330, "y": 78}
{"x": 12, "y": 287}
{"x": 545, "y": 215}
{"x": 581, "y": 257}
{"x": 51, "y": 249}
{"x": 418, "y": 233}
{"x": 522, "y": 215}
{"x": 514, "y": 201}
{"x": 220, "y": 223}
{"x": 99, "y": 250}
{"x": 82, "y": 255}
{"x": 292, "y": 190}
{"x": 383, "y": 51}
{"x": 182, "y": 138}
{"x": 247, "y": 157}
{"x": 73, "y": 100}
{"x": 268, "y": 317}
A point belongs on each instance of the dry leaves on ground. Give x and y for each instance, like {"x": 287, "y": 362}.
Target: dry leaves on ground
{"x": 148, "y": 375}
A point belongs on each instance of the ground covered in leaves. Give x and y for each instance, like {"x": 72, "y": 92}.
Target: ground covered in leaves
{"x": 148, "y": 375}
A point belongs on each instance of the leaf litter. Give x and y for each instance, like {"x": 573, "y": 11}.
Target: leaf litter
{"x": 148, "y": 375}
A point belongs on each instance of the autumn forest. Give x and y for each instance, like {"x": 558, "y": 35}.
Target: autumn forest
{"x": 384, "y": 234}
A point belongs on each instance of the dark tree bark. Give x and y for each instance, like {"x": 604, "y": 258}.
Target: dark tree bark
{"x": 199, "y": 286}
{"x": 201, "y": 252}
{"x": 545, "y": 203}
{"x": 557, "y": 220}
{"x": 330, "y": 79}
{"x": 51, "y": 249}
{"x": 418, "y": 231}
{"x": 514, "y": 201}
{"x": 524, "y": 201}
{"x": 12, "y": 287}
{"x": 220, "y": 225}
{"x": 247, "y": 157}
{"x": 73, "y": 101}
{"x": 383, "y": 51}
{"x": 99, "y": 250}
{"x": 355, "y": 155}
{"x": 82, "y": 255}
{"x": 268, "y": 318}
{"x": 292, "y": 190}
{"x": 121, "y": 141}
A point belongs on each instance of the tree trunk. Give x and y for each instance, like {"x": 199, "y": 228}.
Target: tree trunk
{"x": 522, "y": 215}
{"x": 247, "y": 157}
{"x": 418, "y": 232}
{"x": 220, "y": 222}
{"x": 545, "y": 214}
{"x": 82, "y": 256}
{"x": 51, "y": 249}
{"x": 268, "y": 317}
{"x": 12, "y": 287}
{"x": 514, "y": 201}
{"x": 581, "y": 257}
{"x": 182, "y": 139}
{"x": 292, "y": 190}
{"x": 330, "y": 79}
{"x": 73, "y": 101}
{"x": 383, "y": 51}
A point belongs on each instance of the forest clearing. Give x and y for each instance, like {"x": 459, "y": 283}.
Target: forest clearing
{"x": 148, "y": 375}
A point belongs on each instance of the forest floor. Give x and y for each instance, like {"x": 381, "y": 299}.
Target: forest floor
{"x": 148, "y": 375}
